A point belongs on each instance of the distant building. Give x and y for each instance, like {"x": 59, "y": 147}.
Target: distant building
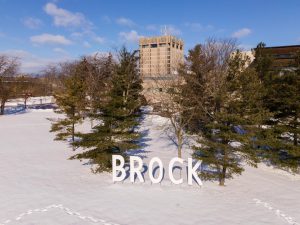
{"x": 160, "y": 55}
{"x": 284, "y": 57}
{"x": 159, "y": 60}
{"x": 246, "y": 55}
{"x": 250, "y": 55}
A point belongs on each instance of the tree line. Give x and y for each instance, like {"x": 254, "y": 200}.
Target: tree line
{"x": 14, "y": 84}
{"x": 107, "y": 91}
{"x": 241, "y": 111}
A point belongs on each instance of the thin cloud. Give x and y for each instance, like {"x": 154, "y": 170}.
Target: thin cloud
{"x": 131, "y": 36}
{"x": 164, "y": 29}
{"x": 198, "y": 27}
{"x": 65, "y": 18}
{"x": 106, "y": 19}
{"x": 60, "y": 51}
{"x": 170, "y": 29}
{"x": 246, "y": 47}
{"x": 194, "y": 26}
{"x": 125, "y": 22}
{"x": 50, "y": 39}
{"x": 32, "y": 23}
{"x": 90, "y": 36}
{"x": 77, "y": 35}
{"x": 99, "y": 40}
{"x": 241, "y": 33}
{"x": 152, "y": 27}
{"x": 31, "y": 63}
{"x": 86, "y": 44}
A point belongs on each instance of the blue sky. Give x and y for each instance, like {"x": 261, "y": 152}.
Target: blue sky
{"x": 40, "y": 32}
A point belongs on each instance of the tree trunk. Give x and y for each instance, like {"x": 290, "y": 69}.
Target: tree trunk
{"x": 179, "y": 147}
{"x": 25, "y": 103}
{"x": 180, "y": 153}
{"x": 2, "y": 107}
{"x": 222, "y": 176}
{"x": 73, "y": 132}
{"x": 179, "y": 136}
{"x": 73, "y": 135}
{"x": 295, "y": 133}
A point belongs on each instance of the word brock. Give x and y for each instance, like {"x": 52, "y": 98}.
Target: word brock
{"x": 136, "y": 166}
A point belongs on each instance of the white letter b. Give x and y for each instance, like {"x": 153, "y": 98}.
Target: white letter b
{"x": 116, "y": 168}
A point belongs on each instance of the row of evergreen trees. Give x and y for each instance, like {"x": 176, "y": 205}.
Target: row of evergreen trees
{"x": 241, "y": 111}
{"x": 107, "y": 91}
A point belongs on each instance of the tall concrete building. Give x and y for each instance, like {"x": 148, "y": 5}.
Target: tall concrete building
{"x": 159, "y": 60}
{"x": 160, "y": 55}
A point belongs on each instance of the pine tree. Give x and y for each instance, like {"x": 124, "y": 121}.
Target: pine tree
{"x": 117, "y": 117}
{"x": 232, "y": 112}
{"x": 99, "y": 81}
{"x": 262, "y": 62}
{"x": 279, "y": 141}
{"x": 284, "y": 102}
{"x": 71, "y": 102}
{"x": 195, "y": 89}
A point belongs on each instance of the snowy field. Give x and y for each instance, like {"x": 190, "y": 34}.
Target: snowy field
{"x": 30, "y": 101}
{"x": 40, "y": 186}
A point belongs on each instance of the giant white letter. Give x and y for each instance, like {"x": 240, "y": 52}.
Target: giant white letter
{"x": 160, "y": 165}
{"x": 116, "y": 168}
{"x": 192, "y": 171}
{"x": 136, "y": 170}
{"x": 171, "y": 164}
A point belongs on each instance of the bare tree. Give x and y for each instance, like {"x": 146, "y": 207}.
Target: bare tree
{"x": 168, "y": 94}
{"x": 8, "y": 70}
{"x": 99, "y": 74}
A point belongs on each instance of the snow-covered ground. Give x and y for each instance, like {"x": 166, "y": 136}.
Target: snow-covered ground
{"x": 31, "y": 101}
{"x": 40, "y": 186}
{"x": 17, "y": 105}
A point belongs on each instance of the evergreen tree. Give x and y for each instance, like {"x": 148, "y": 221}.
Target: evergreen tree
{"x": 117, "y": 117}
{"x": 99, "y": 82}
{"x": 279, "y": 141}
{"x": 262, "y": 61}
{"x": 284, "y": 102}
{"x": 71, "y": 101}
{"x": 195, "y": 74}
{"x": 232, "y": 110}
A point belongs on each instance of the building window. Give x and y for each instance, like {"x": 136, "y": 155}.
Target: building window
{"x": 283, "y": 56}
{"x": 153, "y": 45}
